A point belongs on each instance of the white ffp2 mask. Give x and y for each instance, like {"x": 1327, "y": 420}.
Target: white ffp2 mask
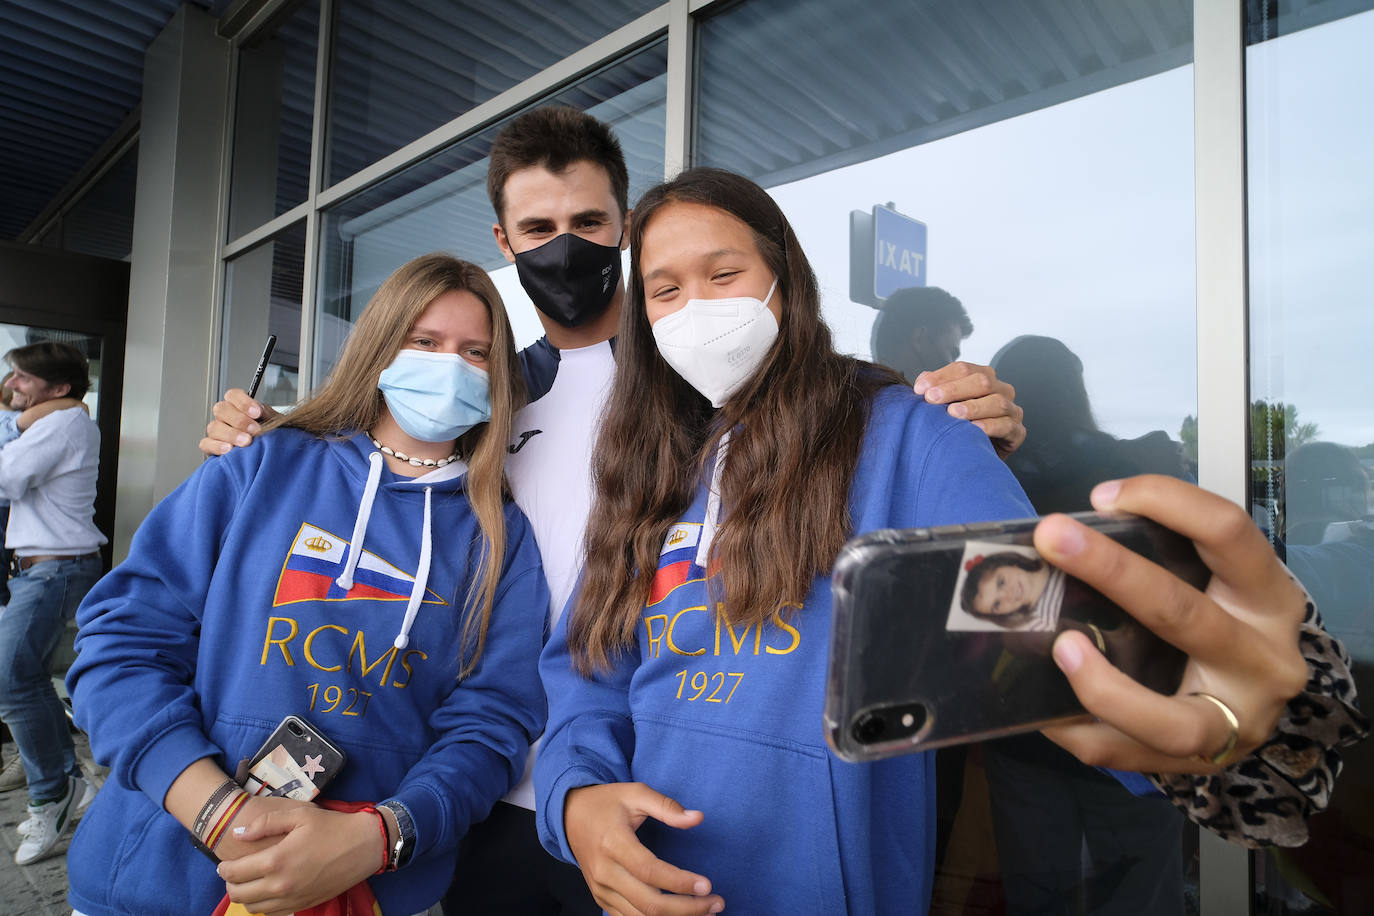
{"x": 717, "y": 344}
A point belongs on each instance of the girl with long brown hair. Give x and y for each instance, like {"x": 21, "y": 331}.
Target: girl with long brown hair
{"x": 737, "y": 454}
{"x": 363, "y": 569}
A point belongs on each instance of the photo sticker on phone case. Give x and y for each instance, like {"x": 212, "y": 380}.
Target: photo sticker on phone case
{"x": 1004, "y": 587}
{"x": 279, "y": 774}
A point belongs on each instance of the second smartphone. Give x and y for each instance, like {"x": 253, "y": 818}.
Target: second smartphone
{"x": 942, "y": 635}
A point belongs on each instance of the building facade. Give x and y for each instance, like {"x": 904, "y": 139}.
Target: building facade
{"x": 1177, "y": 190}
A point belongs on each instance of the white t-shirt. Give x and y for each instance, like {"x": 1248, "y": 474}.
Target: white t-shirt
{"x": 549, "y": 469}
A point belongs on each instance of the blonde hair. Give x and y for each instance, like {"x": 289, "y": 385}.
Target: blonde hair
{"x": 350, "y": 401}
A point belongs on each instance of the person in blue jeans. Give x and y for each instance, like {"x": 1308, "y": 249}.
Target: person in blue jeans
{"x": 48, "y": 474}
{"x": 8, "y": 418}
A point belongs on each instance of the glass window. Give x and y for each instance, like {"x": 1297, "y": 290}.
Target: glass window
{"x": 274, "y": 108}
{"x": 401, "y": 69}
{"x": 262, "y": 296}
{"x": 441, "y": 204}
{"x": 1311, "y": 215}
{"x": 1012, "y": 183}
{"x": 90, "y": 345}
{"x": 101, "y": 223}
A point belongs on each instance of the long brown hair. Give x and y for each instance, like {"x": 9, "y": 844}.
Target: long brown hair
{"x": 349, "y": 401}
{"x": 796, "y": 429}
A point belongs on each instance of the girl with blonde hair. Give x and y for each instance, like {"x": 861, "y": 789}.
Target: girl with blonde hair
{"x": 364, "y": 570}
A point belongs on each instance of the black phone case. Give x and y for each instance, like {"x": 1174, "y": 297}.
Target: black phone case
{"x": 307, "y": 748}
{"x": 900, "y": 680}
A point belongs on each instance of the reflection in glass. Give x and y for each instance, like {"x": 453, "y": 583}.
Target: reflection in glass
{"x": 263, "y": 292}
{"x": 919, "y": 329}
{"x": 274, "y": 108}
{"x": 401, "y": 69}
{"x": 1069, "y": 454}
{"x": 441, "y": 203}
{"x": 1311, "y": 220}
{"x": 1048, "y": 150}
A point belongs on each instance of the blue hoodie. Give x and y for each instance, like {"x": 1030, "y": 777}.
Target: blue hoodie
{"x": 227, "y": 616}
{"x": 728, "y": 720}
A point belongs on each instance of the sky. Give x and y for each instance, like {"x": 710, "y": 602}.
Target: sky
{"x": 1311, "y": 209}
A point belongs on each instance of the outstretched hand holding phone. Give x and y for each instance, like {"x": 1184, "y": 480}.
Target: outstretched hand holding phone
{"x": 1240, "y": 633}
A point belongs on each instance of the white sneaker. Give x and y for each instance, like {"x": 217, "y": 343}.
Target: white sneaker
{"x": 12, "y": 774}
{"x": 86, "y": 798}
{"x": 48, "y": 823}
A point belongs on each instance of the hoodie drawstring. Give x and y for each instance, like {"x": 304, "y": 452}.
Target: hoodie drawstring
{"x": 712, "y": 519}
{"x": 355, "y": 546}
{"x": 417, "y": 591}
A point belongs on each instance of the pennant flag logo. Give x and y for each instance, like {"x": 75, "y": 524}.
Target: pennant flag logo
{"x": 317, "y": 559}
{"x": 677, "y": 562}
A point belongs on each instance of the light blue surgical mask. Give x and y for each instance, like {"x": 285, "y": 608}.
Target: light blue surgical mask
{"x": 435, "y": 397}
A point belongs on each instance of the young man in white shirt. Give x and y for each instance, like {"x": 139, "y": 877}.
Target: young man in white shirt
{"x": 49, "y": 476}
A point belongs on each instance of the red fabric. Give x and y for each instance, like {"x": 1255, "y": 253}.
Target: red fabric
{"x": 356, "y": 901}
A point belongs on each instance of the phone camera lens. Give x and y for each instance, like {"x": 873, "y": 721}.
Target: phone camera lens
{"x": 869, "y": 727}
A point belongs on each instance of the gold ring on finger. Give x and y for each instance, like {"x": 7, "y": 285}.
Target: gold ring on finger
{"x": 1224, "y": 756}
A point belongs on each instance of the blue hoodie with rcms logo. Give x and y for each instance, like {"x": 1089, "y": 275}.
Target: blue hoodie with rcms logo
{"x": 229, "y": 615}
{"x": 728, "y": 720}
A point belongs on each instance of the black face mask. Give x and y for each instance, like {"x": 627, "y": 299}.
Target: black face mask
{"x": 569, "y": 278}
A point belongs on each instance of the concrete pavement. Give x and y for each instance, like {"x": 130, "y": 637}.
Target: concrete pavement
{"x": 39, "y": 889}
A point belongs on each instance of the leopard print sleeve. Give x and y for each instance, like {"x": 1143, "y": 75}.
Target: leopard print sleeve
{"x": 1265, "y": 799}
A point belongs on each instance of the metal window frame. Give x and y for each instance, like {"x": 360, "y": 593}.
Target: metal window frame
{"x": 624, "y": 40}
{"x": 679, "y": 123}
{"x": 305, "y": 368}
{"x": 1226, "y": 871}
{"x": 241, "y": 25}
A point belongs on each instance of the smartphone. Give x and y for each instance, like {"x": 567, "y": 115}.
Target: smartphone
{"x": 295, "y": 761}
{"x": 942, "y": 636}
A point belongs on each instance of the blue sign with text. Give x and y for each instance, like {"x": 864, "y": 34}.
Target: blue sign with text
{"x": 899, "y": 252}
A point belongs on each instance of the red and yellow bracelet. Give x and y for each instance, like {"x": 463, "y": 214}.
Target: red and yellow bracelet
{"x": 217, "y": 832}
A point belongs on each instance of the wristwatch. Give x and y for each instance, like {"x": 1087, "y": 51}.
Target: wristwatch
{"x": 405, "y": 834}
